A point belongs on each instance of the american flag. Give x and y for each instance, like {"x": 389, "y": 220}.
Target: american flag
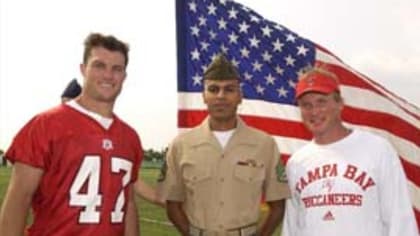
{"x": 270, "y": 58}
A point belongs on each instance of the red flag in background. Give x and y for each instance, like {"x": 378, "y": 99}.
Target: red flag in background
{"x": 270, "y": 57}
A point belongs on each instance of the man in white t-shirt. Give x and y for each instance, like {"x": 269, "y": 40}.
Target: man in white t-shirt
{"x": 344, "y": 182}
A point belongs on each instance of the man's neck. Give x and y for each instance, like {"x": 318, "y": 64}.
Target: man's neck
{"x": 102, "y": 108}
{"x": 332, "y": 136}
{"x": 222, "y": 125}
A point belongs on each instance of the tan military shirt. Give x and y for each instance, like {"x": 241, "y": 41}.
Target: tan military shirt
{"x": 222, "y": 189}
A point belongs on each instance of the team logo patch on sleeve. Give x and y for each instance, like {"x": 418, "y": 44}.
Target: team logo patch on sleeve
{"x": 281, "y": 172}
{"x": 163, "y": 170}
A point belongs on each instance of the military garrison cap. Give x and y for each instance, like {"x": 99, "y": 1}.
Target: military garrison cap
{"x": 221, "y": 69}
{"x": 72, "y": 90}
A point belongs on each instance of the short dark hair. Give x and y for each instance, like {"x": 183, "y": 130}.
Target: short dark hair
{"x": 106, "y": 41}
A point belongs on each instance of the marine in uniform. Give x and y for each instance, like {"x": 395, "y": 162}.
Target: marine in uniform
{"x": 216, "y": 173}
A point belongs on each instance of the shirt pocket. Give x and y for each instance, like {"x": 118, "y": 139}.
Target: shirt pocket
{"x": 249, "y": 174}
{"x": 195, "y": 176}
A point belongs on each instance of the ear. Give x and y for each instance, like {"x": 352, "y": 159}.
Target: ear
{"x": 82, "y": 69}
{"x": 204, "y": 96}
{"x": 125, "y": 76}
{"x": 341, "y": 103}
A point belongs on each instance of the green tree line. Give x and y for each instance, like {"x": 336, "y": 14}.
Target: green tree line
{"x": 153, "y": 155}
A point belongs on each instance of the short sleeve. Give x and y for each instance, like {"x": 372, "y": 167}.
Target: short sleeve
{"x": 170, "y": 182}
{"x": 276, "y": 182}
{"x": 31, "y": 144}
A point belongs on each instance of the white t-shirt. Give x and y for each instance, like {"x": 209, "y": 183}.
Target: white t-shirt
{"x": 355, "y": 186}
{"x": 103, "y": 121}
{"x": 223, "y": 136}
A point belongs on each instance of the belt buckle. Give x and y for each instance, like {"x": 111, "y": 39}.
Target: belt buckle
{"x": 248, "y": 230}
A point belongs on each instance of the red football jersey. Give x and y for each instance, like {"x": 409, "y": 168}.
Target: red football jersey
{"x": 87, "y": 170}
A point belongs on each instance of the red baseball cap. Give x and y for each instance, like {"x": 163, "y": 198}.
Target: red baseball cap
{"x": 316, "y": 81}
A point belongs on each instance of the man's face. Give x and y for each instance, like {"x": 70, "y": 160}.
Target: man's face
{"x": 222, "y": 98}
{"x": 104, "y": 73}
{"x": 321, "y": 113}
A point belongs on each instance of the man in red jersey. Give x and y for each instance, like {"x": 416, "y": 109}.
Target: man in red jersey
{"x": 76, "y": 163}
{"x": 141, "y": 188}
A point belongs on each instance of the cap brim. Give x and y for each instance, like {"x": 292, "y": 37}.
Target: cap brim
{"x": 316, "y": 89}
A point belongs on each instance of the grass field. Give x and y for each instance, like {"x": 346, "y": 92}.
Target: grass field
{"x": 153, "y": 221}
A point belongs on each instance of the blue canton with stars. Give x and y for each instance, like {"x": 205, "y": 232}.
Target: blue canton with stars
{"x": 269, "y": 56}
